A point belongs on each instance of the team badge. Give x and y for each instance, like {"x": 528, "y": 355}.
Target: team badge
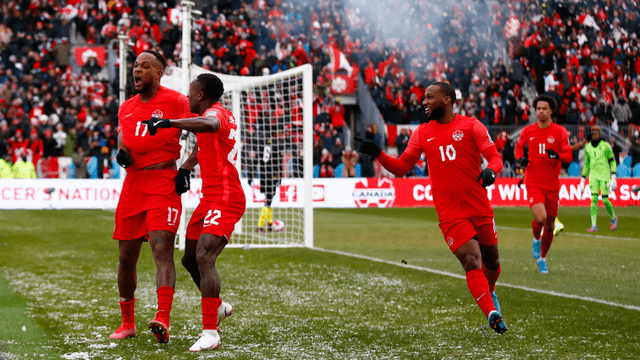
{"x": 157, "y": 114}
{"x": 450, "y": 241}
{"x": 458, "y": 135}
{"x": 550, "y": 140}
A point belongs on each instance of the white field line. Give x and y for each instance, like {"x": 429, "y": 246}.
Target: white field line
{"x": 604, "y": 237}
{"x": 446, "y": 273}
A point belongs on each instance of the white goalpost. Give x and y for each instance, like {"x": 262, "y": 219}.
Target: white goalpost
{"x": 275, "y": 119}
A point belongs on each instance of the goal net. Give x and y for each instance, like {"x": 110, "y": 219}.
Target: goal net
{"x": 275, "y": 154}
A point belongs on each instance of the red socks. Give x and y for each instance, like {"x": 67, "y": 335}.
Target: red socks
{"x": 210, "y": 307}
{"x": 492, "y": 277}
{"x": 127, "y": 309}
{"x": 537, "y": 229}
{"x": 165, "y": 299}
{"x": 547, "y": 238}
{"x": 479, "y": 287}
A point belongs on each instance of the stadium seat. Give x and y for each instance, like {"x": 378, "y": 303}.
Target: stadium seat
{"x": 623, "y": 171}
{"x": 627, "y": 161}
{"x": 92, "y": 167}
{"x": 358, "y": 170}
{"x": 636, "y": 170}
{"x": 574, "y": 169}
{"x": 50, "y": 168}
{"x": 316, "y": 171}
{"x": 339, "y": 170}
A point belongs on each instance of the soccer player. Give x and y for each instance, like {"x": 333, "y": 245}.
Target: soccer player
{"x": 453, "y": 144}
{"x": 270, "y": 163}
{"x": 149, "y": 208}
{"x": 223, "y": 201}
{"x": 600, "y": 165}
{"x": 548, "y": 146}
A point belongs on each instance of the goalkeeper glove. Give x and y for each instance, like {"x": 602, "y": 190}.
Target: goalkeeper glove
{"x": 552, "y": 154}
{"x": 183, "y": 181}
{"x": 613, "y": 185}
{"x": 123, "y": 158}
{"x": 522, "y": 162}
{"x": 581, "y": 186}
{"x": 488, "y": 177}
{"x": 154, "y": 124}
{"x": 368, "y": 147}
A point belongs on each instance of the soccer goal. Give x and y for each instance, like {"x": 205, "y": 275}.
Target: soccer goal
{"x": 275, "y": 157}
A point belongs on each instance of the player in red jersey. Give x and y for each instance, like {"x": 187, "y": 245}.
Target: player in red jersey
{"x": 148, "y": 209}
{"x": 548, "y": 146}
{"x": 223, "y": 201}
{"x": 453, "y": 144}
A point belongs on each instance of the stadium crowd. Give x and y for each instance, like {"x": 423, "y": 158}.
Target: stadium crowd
{"x": 585, "y": 54}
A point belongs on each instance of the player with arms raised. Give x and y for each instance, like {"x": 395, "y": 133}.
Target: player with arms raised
{"x": 148, "y": 207}
{"x": 548, "y": 146}
{"x": 223, "y": 201}
{"x": 453, "y": 144}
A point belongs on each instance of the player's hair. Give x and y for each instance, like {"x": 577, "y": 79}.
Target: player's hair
{"x": 212, "y": 86}
{"x": 447, "y": 89}
{"x": 158, "y": 56}
{"x": 548, "y": 99}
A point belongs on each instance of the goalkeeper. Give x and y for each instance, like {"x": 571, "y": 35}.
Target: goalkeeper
{"x": 600, "y": 165}
{"x": 269, "y": 169}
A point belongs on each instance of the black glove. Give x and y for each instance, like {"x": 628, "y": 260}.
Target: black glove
{"x": 522, "y": 162}
{"x": 368, "y": 147}
{"x": 154, "y": 124}
{"x": 183, "y": 181}
{"x": 488, "y": 177}
{"x": 552, "y": 154}
{"x": 123, "y": 158}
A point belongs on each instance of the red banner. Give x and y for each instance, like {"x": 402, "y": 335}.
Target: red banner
{"x": 343, "y": 85}
{"x": 83, "y": 53}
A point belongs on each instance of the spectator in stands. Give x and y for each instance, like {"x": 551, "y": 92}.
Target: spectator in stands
{"x": 326, "y": 170}
{"x": 634, "y": 106}
{"x": 349, "y": 160}
{"x": 336, "y": 152}
{"x": 616, "y": 149}
{"x": 49, "y": 144}
{"x": 402, "y": 140}
{"x": 79, "y": 163}
{"x": 634, "y": 151}
{"x": 573, "y": 115}
{"x": 336, "y": 112}
{"x": 60, "y": 136}
{"x": 603, "y": 113}
{"x": 621, "y": 112}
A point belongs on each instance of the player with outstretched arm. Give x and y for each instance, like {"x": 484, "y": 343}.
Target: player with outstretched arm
{"x": 148, "y": 208}
{"x": 453, "y": 145}
{"x": 223, "y": 201}
{"x": 548, "y": 146}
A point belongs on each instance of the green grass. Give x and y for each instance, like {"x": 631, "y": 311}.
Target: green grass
{"x": 60, "y": 268}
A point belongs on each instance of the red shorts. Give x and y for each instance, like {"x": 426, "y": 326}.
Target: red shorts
{"x": 549, "y": 198}
{"x": 148, "y": 202}
{"x": 215, "y": 217}
{"x": 458, "y": 231}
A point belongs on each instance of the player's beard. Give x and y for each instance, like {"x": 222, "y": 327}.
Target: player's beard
{"x": 435, "y": 114}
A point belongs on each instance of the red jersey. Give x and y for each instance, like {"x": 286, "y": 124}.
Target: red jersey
{"x": 146, "y": 149}
{"x": 453, "y": 157}
{"x": 541, "y": 171}
{"x": 217, "y": 154}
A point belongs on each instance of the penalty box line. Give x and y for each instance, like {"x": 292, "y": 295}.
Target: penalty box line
{"x": 446, "y": 273}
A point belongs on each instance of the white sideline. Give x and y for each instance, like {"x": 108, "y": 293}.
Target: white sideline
{"x": 446, "y": 273}
{"x": 604, "y": 237}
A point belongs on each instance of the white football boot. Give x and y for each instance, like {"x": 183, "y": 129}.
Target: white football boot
{"x": 208, "y": 340}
